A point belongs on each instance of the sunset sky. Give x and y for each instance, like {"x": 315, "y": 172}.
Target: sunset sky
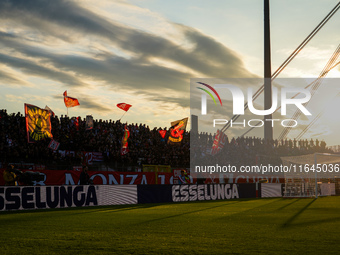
{"x": 144, "y": 52}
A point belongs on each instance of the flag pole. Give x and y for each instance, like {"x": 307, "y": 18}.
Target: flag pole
{"x": 122, "y": 116}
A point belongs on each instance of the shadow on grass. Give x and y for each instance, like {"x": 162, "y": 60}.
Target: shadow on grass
{"x": 314, "y": 222}
{"x": 291, "y": 219}
{"x": 213, "y": 207}
{"x": 84, "y": 209}
{"x": 283, "y": 207}
{"x": 190, "y": 212}
{"x": 256, "y": 207}
{"x": 116, "y": 208}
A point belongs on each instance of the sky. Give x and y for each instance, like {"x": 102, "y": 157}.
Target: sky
{"x": 144, "y": 53}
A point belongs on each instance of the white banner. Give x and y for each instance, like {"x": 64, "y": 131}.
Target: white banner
{"x": 271, "y": 190}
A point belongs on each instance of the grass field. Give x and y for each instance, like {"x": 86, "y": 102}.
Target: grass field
{"x": 287, "y": 226}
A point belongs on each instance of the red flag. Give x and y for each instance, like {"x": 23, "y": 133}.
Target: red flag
{"x": 125, "y": 149}
{"x": 162, "y": 133}
{"x": 124, "y": 106}
{"x": 70, "y": 101}
{"x": 75, "y": 121}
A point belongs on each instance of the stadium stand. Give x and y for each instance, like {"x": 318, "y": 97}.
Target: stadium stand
{"x": 145, "y": 145}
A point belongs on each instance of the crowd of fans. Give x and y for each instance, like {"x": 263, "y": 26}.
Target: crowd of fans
{"x": 248, "y": 151}
{"x": 145, "y": 145}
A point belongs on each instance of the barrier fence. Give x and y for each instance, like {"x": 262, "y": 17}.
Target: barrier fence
{"x": 71, "y": 177}
{"x": 44, "y": 197}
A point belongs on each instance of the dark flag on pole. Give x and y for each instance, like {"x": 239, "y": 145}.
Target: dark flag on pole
{"x": 70, "y": 101}
{"x": 89, "y": 122}
{"x": 38, "y": 123}
{"x": 52, "y": 112}
{"x": 177, "y": 130}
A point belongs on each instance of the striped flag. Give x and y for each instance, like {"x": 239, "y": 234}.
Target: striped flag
{"x": 50, "y": 110}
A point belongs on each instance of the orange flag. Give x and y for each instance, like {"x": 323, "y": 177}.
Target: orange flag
{"x": 70, "y": 101}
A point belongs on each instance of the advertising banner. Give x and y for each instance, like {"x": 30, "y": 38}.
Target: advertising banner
{"x": 43, "y": 197}
{"x": 154, "y": 194}
{"x": 184, "y": 193}
{"x": 271, "y": 190}
{"x": 69, "y": 177}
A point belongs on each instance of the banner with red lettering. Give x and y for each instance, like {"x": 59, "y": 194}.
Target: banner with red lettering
{"x": 69, "y": 177}
{"x": 90, "y": 157}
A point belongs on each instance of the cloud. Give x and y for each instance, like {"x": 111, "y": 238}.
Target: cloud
{"x": 91, "y": 104}
{"x": 127, "y": 59}
{"x": 211, "y": 57}
{"x": 88, "y": 103}
{"x": 29, "y": 67}
{"x": 14, "y": 98}
{"x": 10, "y": 79}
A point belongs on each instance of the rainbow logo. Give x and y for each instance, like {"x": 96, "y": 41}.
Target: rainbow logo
{"x": 209, "y": 93}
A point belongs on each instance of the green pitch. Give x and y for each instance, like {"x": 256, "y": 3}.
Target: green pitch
{"x": 287, "y": 226}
